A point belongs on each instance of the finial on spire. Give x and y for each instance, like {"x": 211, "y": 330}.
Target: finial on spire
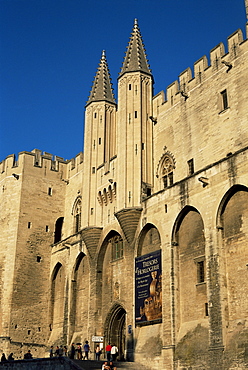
{"x": 103, "y": 53}
{"x": 136, "y": 22}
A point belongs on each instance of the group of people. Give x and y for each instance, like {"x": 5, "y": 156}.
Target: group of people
{"x": 80, "y": 352}
{"x": 27, "y": 356}
{"x": 111, "y": 352}
{"x": 58, "y": 352}
{"x": 4, "y": 359}
{"x": 108, "y": 365}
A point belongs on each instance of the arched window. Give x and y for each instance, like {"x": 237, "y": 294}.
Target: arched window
{"x": 58, "y": 229}
{"x": 117, "y": 247}
{"x": 165, "y": 170}
{"x": 76, "y": 212}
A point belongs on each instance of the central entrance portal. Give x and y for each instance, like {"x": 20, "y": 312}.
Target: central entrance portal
{"x": 115, "y": 330}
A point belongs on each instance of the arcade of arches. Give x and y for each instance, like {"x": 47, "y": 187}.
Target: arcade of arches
{"x": 193, "y": 276}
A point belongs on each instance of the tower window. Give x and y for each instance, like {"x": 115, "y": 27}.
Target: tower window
{"x": 38, "y": 259}
{"x": 93, "y": 169}
{"x": 130, "y": 87}
{"x": 99, "y": 141}
{"x": 200, "y": 272}
{"x": 191, "y": 166}
{"x": 206, "y": 309}
{"x": 135, "y": 114}
{"x": 95, "y": 115}
{"x": 224, "y": 99}
{"x": 29, "y": 225}
{"x": 47, "y": 228}
{"x": 49, "y": 192}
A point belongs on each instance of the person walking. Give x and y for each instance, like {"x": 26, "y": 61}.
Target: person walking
{"x": 86, "y": 350}
{"x": 79, "y": 352}
{"x": 114, "y": 352}
{"x": 108, "y": 351}
{"x": 51, "y": 351}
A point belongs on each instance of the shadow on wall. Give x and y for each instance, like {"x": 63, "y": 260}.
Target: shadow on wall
{"x": 236, "y": 352}
{"x": 193, "y": 348}
{"x": 154, "y": 346}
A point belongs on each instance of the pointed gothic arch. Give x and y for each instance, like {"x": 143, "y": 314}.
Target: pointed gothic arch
{"x": 115, "y": 329}
{"x": 57, "y": 297}
{"x": 189, "y": 282}
{"x": 79, "y": 295}
{"x": 223, "y": 203}
{"x": 165, "y": 169}
{"x": 149, "y": 240}
{"x": 232, "y": 225}
{"x": 76, "y": 212}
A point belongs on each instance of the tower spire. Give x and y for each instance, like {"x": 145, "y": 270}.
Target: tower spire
{"x": 102, "y": 86}
{"x": 135, "y": 58}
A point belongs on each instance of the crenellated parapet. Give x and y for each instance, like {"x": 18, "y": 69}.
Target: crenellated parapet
{"x": 179, "y": 90}
{"x": 34, "y": 159}
{"x": 75, "y": 164}
{"x": 38, "y": 159}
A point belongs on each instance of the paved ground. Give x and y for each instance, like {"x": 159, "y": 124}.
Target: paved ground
{"x": 97, "y": 365}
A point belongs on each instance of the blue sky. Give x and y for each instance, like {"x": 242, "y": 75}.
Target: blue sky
{"x": 50, "y": 50}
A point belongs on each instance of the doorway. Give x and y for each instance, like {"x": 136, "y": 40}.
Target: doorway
{"x": 115, "y": 330}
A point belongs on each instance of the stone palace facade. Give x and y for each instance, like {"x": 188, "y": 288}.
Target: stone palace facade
{"x": 141, "y": 239}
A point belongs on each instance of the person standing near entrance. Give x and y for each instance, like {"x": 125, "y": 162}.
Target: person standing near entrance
{"x": 86, "y": 350}
{"x": 72, "y": 351}
{"x": 98, "y": 352}
{"x": 108, "y": 351}
{"x": 114, "y": 352}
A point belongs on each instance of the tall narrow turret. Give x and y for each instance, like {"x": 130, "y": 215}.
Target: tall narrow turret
{"x": 135, "y": 88}
{"x": 99, "y": 141}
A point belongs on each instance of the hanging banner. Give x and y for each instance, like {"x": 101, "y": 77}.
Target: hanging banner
{"x": 148, "y": 288}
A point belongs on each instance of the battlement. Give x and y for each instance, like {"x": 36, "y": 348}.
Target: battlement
{"x": 219, "y": 59}
{"x": 75, "y": 164}
{"x": 37, "y": 158}
{"x": 34, "y": 158}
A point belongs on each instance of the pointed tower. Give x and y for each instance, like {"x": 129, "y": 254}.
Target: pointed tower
{"x": 99, "y": 139}
{"x": 135, "y": 88}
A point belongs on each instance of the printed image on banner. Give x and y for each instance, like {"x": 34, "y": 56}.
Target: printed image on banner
{"x": 148, "y": 288}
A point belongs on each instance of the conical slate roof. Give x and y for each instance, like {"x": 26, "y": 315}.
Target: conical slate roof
{"x": 102, "y": 86}
{"x": 135, "y": 59}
